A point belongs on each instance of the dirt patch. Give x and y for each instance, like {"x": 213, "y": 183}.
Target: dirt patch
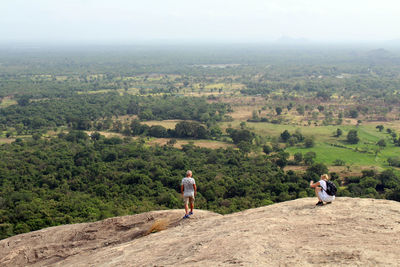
{"x": 125, "y": 118}
{"x": 168, "y": 124}
{"x": 106, "y": 134}
{"x": 200, "y": 143}
{"x": 7, "y": 101}
{"x": 6, "y": 140}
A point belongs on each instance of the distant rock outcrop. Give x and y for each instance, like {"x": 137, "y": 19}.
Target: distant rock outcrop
{"x": 287, "y": 40}
{"x": 349, "y": 232}
{"x": 379, "y": 53}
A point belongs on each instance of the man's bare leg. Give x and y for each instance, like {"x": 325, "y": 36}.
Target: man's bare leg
{"x": 186, "y": 208}
{"x": 191, "y": 206}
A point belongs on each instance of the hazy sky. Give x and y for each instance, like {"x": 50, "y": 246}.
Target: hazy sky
{"x": 200, "y": 20}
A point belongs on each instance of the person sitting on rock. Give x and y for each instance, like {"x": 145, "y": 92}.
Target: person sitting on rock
{"x": 189, "y": 191}
{"x": 321, "y": 190}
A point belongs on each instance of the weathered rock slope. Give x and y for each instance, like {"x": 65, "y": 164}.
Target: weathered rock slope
{"x": 349, "y": 232}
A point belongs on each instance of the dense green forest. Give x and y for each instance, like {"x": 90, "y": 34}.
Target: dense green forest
{"x": 81, "y": 112}
{"x": 75, "y": 178}
{"x": 77, "y": 128}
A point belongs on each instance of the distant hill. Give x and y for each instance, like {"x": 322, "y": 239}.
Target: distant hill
{"x": 379, "y": 53}
{"x": 291, "y": 41}
{"x": 395, "y": 42}
{"x": 349, "y": 232}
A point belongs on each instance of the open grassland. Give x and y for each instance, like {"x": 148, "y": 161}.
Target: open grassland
{"x": 216, "y": 89}
{"x": 265, "y": 107}
{"x": 168, "y": 124}
{"x": 328, "y": 154}
{"x": 106, "y": 134}
{"x": 7, "y": 101}
{"x": 330, "y": 148}
{"x": 225, "y": 86}
{"x": 367, "y": 132}
{"x": 200, "y": 94}
{"x": 96, "y": 92}
{"x": 212, "y": 144}
{"x": 125, "y": 118}
{"x": 61, "y": 78}
{"x": 132, "y": 91}
{"x": 180, "y": 142}
{"x": 6, "y": 140}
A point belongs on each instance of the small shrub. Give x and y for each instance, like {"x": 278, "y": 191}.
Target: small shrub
{"x": 381, "y": 143}
{"x": 158, "y": 226}
{"x": 339, "y": 162}
{"x": 394, "y": 161}
{"x": 309, "y": 142}
{"x": 352, "y": 137}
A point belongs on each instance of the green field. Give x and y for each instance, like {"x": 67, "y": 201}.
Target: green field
{"x": 361, "y": 154}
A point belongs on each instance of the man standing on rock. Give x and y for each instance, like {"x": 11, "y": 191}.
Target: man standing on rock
{"x": 189, "y": 191}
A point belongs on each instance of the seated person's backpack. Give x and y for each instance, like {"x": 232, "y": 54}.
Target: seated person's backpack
{"x": 330, "y": 188}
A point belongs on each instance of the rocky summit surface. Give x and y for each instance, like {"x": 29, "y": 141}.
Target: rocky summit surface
{"x": 348, "y": 232}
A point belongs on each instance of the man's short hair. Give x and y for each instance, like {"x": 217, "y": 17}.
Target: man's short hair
{"x": 188, "y": 172}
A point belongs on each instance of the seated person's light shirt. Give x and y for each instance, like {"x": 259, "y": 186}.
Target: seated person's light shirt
{"x": 323, "y": 195}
